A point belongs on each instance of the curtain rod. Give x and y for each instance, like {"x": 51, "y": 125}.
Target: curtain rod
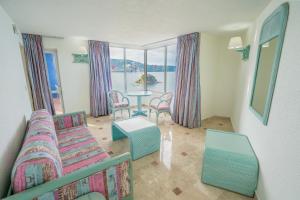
{"x": 120, "y": 44}
{"x": 53, "y": 36}
{"x": 161, "y": 41}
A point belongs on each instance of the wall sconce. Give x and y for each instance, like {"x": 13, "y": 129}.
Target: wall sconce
{"x": 82, "y": 56}
{"x": 236, "y": 44}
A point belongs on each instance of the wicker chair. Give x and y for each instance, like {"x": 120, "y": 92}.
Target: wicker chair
{"x": 118, "y": 102}
{"x": 161, "y": 104}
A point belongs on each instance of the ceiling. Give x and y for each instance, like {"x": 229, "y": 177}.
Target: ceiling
{"x": 135, "y": 22}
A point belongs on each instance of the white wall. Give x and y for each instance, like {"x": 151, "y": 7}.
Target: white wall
{"x": 209, "y": 59}
{"x": 15, "y": 105}
{"x": 218, "y": 69}
{"x": 218, "y": 73}
{"x": 276, "y": 145}
{"x": 226, "y": 74}
{"x": 74, "y": 76}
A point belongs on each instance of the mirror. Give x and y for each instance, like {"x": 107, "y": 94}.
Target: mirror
{"x": 268, "y": 59}
{"x": 263, "y": 78}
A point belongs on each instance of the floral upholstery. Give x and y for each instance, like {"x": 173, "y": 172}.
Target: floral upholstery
{"x": 69, "y": 120}
{"x": 39, "y": 160}
{"x": 78, "y": 148}
{"x": 121, "y": 104}
{"x": 48, "y": 154}
{"x": 161, "y": 106}
{"x": 112, "y": 183}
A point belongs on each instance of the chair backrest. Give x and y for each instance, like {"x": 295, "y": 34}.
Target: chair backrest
{"x": 167, "y": 97}
{"x": 115, "y": 96}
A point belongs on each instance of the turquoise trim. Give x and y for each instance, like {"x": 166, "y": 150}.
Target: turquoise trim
{"x": 245, "y": 52}
{"x": 273, "y": 26}
{"x": 39, "y": 190}
{"x": 80, "y": 58}
{"x": 139, "y": 110}
{"x": 92, "y": 196}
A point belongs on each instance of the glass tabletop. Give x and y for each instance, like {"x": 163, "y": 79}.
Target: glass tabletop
{"x": 139, "y": 93}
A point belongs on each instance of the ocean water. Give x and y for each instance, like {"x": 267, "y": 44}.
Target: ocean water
{"x": 157, "y": 89}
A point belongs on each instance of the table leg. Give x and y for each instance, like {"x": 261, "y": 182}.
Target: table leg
{"x": 139, "y": 103}
{"x": 139, "y": 110}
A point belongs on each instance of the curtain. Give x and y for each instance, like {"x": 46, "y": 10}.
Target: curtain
{"x": 38, "y": 73}
{"x": 186, "y": 110}
{"x": 100, "y": 77}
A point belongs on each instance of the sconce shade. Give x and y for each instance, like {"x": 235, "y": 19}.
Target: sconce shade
{"x": 82, "y": 50}
{"x": 235, "y": 43}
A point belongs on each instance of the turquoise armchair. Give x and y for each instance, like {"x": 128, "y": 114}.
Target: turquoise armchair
{"x": 118, "y": 102}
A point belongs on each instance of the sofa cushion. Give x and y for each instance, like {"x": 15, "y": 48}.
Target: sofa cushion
{"x": 39, "y": 160}
{"x": 78, "y": 148}
{"x": 41, "y": 123}
{"x": 69, "y": 120}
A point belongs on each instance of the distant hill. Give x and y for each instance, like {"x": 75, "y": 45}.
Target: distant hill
{"x": 133, "y": 66}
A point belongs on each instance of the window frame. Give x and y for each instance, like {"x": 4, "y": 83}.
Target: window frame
{"x": 165, "y": 46}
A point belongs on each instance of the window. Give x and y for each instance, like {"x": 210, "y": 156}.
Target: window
{"x": 128, "y": 72}
{"x": 171, "y": 68}
{"x": 53, "y": 76}
{"x": 135, "y": 69}
{"x": 156, "y": 70}
{"x": 117, "y": 68}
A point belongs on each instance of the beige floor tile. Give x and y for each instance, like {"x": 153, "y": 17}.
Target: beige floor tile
{"x": 176, "y": 165}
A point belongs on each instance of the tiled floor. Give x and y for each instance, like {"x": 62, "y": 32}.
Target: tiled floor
{"x": 173, "y": 172}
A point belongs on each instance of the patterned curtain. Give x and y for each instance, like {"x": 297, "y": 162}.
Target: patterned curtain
{"x": 37, "y": 72}
{"x": 186, "y": 111}
{"x": 100, "y": 77}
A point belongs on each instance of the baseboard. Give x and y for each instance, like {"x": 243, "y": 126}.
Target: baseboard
{"x": 257, "y": 196}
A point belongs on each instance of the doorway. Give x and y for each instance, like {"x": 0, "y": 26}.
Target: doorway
{"x": 54, "y": 80}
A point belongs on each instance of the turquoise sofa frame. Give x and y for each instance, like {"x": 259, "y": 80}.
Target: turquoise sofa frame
{"x": 77, "y": 175}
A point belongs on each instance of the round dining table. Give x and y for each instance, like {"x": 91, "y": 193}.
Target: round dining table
{"x": 139, "y": 95}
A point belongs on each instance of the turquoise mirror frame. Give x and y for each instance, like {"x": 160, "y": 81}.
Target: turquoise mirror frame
{"x": 274, "y": 26}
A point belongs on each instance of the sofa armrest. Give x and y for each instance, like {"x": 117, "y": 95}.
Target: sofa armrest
{"x": 69, "y": 120}
{"x": 79, "y": 175}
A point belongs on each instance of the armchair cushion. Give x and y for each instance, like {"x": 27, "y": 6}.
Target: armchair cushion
{"x": 121, "y": 105}
{"x": 161, "y": 106}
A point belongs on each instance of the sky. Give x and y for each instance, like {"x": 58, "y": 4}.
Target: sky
{"x": 154, "y": 56}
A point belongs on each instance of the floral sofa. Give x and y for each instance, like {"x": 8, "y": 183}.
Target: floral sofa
{"x": 60, "y": 159}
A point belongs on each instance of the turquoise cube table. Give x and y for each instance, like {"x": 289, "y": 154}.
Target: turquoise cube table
{"x": 229, "y": 162}
{"x": 143, "y": 135}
